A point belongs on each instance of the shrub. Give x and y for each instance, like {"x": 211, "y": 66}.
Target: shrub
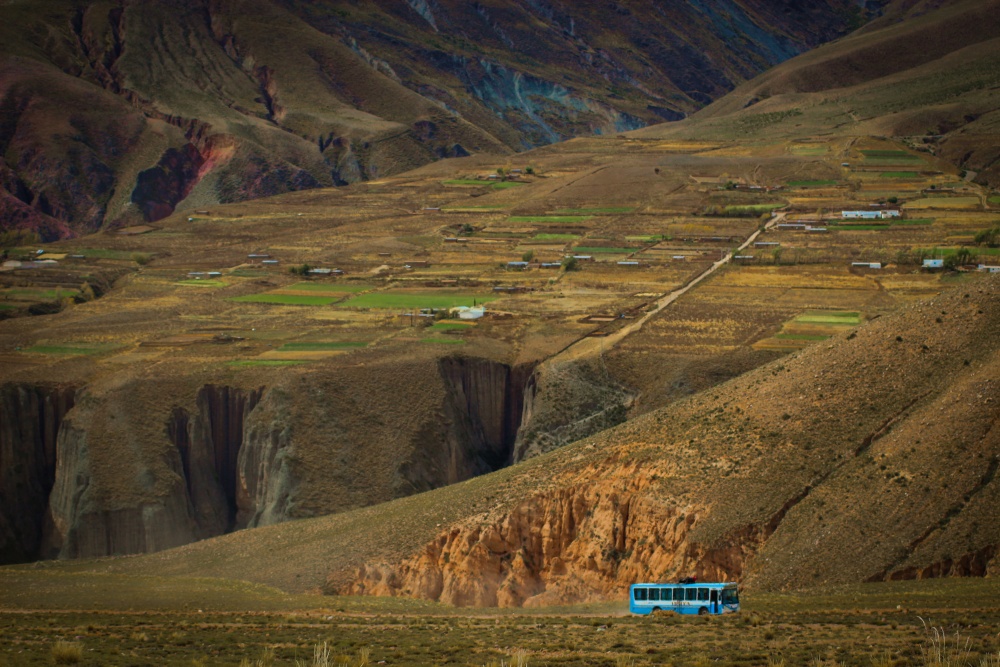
{"x": 141, "y": 258}
{"x": 67, "y": 653}
{"x": 570, "y": 264}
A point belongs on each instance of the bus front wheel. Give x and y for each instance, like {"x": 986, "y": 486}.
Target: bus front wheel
{"x": 703, "y": 611}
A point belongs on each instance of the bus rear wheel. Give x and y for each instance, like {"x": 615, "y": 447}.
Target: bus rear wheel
{"x": 703, "y": 611}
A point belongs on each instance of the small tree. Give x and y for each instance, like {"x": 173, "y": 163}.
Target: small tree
{"x": 570, "y": 263}
{"x": 962, "y": 257}
{"x": 528, "y": 256}
{"x": 988, "y": 237}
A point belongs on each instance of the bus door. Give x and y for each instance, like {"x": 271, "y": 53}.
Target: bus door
{"x": 714, "y": 602}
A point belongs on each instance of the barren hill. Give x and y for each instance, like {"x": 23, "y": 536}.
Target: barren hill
{"x": 118, "y": 112}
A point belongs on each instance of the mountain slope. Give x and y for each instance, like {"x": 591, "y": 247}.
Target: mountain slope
{"x": 926, "y": 73}
{"x": 870, "y": 457}
{"x": 115, "y": 112}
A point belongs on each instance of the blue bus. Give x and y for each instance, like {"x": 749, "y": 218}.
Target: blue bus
{"x": 707, "y": 598}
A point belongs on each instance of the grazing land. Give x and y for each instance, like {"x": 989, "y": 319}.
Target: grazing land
{"x": 129, "y": 620}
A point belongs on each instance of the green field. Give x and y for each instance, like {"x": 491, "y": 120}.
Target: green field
{"x": 451, "y": 326}
{"x": 595, "y": 211}
{"x": 287, "y": 299}
{"x": 975, "y": 250}
{"x": 557, "y": 237}
{"x": 845, "y": 318}
{"x": 8, "y": 306}
{"x": 884, "y": 152}
{"x": 753, "y": 209}
{"x": 995, "y": 199}
{"x": 899, "y": 174}
{"x": 944, "y": 202}
{"x": 812, "y": 184}
{"x": 351, "y": 288}
{"x": 506, "y": 185}
{"x": 38, "y": 293}
{"x": 858, "y": 228}
{"x": 416, "y": 300}
{"x": 603, "y": 249}
{"x": 913, "y": 221}
{"x": 549, "y": 218}
{"x": 71, "y": 349}
{"x": 794, "y": 336}
{"x": 443, "y": 341}
{"x": 320, "y": 346}
{"x": 889, "y": 155}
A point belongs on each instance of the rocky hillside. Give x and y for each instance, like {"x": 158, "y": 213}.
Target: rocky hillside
{"x": 206, "y": 457}
{"x": 872, "y": 456}
{"x": 924, "y": 72}
{"x": 118, "y": 112}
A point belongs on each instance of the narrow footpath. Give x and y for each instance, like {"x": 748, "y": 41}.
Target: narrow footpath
{"x": 595, "y": 345}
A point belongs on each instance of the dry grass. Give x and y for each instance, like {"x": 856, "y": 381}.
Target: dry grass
{"x": 67, "y": 653}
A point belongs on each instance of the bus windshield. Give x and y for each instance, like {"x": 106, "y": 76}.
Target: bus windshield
{"x": 730, "y": 596}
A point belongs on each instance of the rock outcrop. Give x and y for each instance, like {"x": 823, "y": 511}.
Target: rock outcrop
{"x": 31, "y": 420}
{"x": 871, "y": 457}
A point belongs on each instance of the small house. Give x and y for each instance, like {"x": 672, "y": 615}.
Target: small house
{"x": 933, "y": 264}
{"x": 988, "y": 269}
{"x": 765, "y": 244}
{"x": 320, "y": 272}
{"x": 517, "y": 265}
{"x": 628, "y": 262}
{"x": 860, "y": 215}
{"x": 467, "y": 313}
{"x": 866, "y": 265}
{"x": 270, "y": 261}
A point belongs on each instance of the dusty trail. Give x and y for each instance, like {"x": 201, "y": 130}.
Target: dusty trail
{"x": 589, "y": 346}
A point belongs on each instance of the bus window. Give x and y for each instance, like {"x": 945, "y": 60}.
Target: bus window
{"x": 654, "y": 594}
{"x": 692, "y": 594}
{"x": 715, "y": 596}
{"x": 678, "y": 595}
{"x": 640, "y": 594}
{"x": 730, "y": 596}
{"x": 703, "y": 594}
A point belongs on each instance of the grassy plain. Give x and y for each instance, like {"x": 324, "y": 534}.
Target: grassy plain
{"x": 147, "y": 620}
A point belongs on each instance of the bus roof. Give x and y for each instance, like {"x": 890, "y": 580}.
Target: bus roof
{"x": 705, "y": 584}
